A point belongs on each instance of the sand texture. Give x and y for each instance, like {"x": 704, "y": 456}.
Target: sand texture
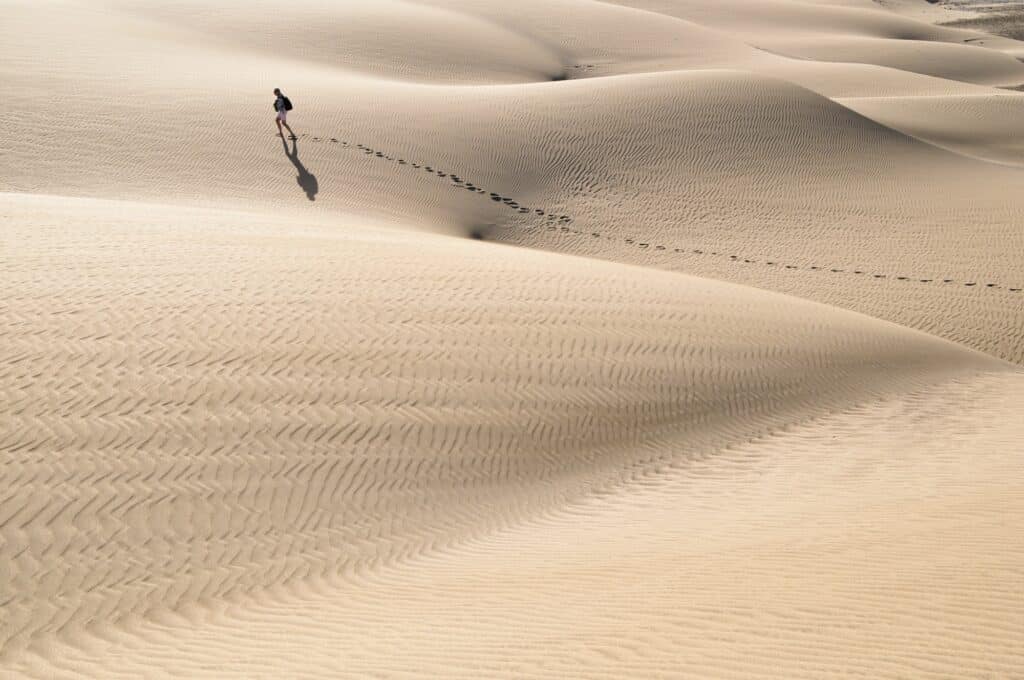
{"x": 570, "y": 338}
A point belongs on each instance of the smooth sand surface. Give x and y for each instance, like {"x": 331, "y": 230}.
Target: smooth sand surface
{"x": 650, "y": 338}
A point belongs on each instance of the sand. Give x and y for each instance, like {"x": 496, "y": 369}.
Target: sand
{"x": 659, "y": 338}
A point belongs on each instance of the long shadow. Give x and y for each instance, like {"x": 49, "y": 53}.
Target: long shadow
{"x": 306, "y": 179}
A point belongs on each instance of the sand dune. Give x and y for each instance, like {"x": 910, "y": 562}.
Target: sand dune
{"x": 779, "y": 558}
{"x": 390, "y": 38}
{"x": 960, "y": 62}
{"x": 986, "y": 126}
{"x": 216, "y": 416}
{"x": 659, "y": 338}
{"x": 755, "y": 167}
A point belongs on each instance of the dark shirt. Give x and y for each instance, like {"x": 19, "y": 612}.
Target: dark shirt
{"x": 279, "y": 103}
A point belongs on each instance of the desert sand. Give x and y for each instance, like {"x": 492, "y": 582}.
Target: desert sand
{"x": 570, "y": 338}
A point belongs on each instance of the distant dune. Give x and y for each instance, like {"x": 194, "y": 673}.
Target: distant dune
{"x": 650, "y": 338}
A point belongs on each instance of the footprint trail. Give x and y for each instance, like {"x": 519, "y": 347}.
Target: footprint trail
{"x": 556, "y": 222}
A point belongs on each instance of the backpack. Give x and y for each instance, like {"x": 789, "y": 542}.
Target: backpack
{"x": 287, "y": 104}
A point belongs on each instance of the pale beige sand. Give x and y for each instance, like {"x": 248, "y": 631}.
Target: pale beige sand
{"x": 267, "y": 412}
{"x": 817, "y": 552}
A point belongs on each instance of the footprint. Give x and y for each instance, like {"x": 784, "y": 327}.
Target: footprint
{"x": 566, "y": 219}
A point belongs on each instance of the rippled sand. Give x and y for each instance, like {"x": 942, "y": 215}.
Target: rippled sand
{"x": 659, "y": 338}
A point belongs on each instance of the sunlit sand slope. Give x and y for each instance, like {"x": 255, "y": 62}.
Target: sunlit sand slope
{"x": 815, "y": 552}
{"x": 205, "y": 404}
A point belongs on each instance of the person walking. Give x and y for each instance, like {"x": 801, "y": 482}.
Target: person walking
{"x": 283, "y": 105}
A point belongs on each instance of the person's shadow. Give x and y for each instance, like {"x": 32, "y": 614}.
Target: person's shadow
{"x": 305, "y": 179}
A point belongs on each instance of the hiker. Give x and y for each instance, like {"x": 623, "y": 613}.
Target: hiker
{"x": 283, "y": 105}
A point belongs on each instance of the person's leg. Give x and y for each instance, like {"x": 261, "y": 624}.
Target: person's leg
{"x": 290, "y": 131}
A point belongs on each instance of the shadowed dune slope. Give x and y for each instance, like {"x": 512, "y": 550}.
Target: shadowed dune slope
{"x": 987, "y": 126}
